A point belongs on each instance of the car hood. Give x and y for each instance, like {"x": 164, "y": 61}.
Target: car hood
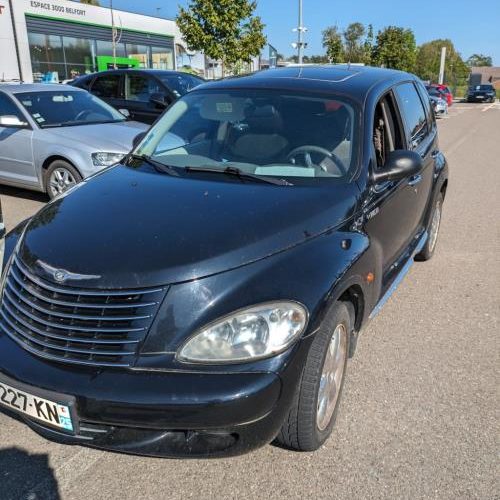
{"x": 112, "y": 137}
{"x": 127, "y": 228}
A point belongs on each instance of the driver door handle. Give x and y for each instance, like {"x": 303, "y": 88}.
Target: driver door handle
{"x": 414, "y": 180}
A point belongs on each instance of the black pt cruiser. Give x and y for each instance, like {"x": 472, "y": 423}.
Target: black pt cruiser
{"x": 202, "y": 298}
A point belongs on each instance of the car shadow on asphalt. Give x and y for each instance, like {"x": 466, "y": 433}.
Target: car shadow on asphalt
{"x": 25, "y": 475}
{"x": 23, "y": 193}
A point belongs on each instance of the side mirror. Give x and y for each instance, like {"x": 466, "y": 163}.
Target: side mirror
{"x": 399, "y": 164}
{"x": 125, "y": 112}
{"x": 159, "y": 99}
{"x": 12, "y": 121}
{"x": 137, "y": 139}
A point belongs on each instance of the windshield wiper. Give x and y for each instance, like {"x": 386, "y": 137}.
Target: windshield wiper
{"x": 159, "y": 166}
{"x": 77, "y": 123}
{"x": 241, "y": 174}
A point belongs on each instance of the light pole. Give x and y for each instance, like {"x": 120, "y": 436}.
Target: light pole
{"x": 113, "y": 33}
{"x": 442, "y": 66}
{"x": 300, "y": 45}
{"x": 300, "y": 33}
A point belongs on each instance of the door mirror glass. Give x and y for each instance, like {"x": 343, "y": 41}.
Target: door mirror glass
{"x": 12, "y": 121}
{"x": 399, "y": 164}
{"x": 159, "y": 99}
{"x": 125, "y": 112}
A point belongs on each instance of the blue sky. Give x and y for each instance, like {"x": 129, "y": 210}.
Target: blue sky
{"x": 474, "y": 27}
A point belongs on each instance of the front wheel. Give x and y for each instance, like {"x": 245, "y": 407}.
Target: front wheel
{"x": 432, "y": 231}
{"x": 312, "y": 416}
{"x": 60, "y": 176}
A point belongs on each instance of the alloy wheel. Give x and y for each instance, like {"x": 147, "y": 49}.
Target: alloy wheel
{"x": 60, "y": 181}
{"x": 331, "y": 377}
{"x": 434, "y": 229}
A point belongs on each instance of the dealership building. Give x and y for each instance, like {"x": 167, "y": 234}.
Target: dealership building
{"x": 57, "y": 40}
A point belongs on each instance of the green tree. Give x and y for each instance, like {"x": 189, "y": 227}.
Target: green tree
{"x": 225, "y": 30}
{"x": 428, "y": 61}
{"x": 353, "y": 45}
{"x": 91, "y": 2}
{"x": 368, "y": 46}
{"x": 395, "y": 48}
{"x": 332, "y": 42}
{"x": 479, "y": 60}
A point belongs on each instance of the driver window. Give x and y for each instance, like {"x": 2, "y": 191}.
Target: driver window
{"x": 141, "y": 88}
{"x": 8, "y": 108}
{"x": 387, "y": 133}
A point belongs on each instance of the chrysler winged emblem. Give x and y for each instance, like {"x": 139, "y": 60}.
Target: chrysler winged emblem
{"x": 62, "y": 275}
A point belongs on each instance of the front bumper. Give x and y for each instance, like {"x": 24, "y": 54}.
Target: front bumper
{"x": 167, "y": 414}
{"x": 483, "y": 97}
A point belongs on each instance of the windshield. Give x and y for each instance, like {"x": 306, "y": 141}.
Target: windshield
{"x": 484, "y": 87}
{"x": 180, "y": 84}
{"x": 64, "y": 108}
{"x": 260, "y": 132}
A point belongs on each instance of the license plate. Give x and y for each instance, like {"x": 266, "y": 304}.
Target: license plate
{"x": 43, "y": 410}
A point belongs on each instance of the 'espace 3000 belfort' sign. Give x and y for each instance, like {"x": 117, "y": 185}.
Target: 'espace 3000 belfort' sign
{"x": 53, "y": 8}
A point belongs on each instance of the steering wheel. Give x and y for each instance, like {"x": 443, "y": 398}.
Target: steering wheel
{"x": 306, "y": 151}
{"x": 82, "y": 114}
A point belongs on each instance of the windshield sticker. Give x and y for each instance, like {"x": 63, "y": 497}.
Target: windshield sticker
{"x": 224, "y": 107}
{"x": 40, "y": 119}
{"x": 62, "y": 98}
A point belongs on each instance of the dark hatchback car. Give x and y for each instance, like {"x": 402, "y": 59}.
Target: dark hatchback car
{"x": 144, "y": 93}
{"x": 482, "y": 93}
{"x": 202, "y": 297}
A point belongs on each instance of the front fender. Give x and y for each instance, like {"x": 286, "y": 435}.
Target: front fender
{"x": 80, "y": 159}
{"x": 312, "y": 273}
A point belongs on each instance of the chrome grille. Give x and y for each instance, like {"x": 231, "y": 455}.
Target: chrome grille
{"x": 71, "y": 325}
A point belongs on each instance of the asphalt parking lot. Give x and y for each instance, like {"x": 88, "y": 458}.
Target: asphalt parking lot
{"x": 419, "y": 417}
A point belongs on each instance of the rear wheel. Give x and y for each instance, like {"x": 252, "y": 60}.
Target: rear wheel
{"x": 314, "y": 410}
{"x": 60, "y": 176}
{"x": 432, "y": 231}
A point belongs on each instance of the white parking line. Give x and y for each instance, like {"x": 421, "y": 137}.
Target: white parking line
{"x": 489, "y": 107}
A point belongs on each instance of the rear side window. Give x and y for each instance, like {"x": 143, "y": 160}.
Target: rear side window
{"x": 427, "y": 103}
{"x": 107, "y": 86}
{"x": 412, "y": 111}
{"x": 84, "y": 83}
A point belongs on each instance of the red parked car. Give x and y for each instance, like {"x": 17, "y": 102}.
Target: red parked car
{"x": 446, "y": 91}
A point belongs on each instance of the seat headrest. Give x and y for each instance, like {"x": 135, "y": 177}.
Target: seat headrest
{"x": 264, "y": 120}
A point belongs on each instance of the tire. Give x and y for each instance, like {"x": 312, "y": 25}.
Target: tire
{"x": 307, "y": 426}
{"x": 59, "y": 177}
{"x": 432, "y": 230}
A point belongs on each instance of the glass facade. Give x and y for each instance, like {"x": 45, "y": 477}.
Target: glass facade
{"x": 162, "y": 58}
{"x": 57, "y": 58}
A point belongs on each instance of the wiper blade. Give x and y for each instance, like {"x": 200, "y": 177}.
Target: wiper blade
{"x": 241, "y": 174}
{"x": 158, "y": 165}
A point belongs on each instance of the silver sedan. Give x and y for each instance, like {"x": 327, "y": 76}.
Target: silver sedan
{"x": 53, "y": 136}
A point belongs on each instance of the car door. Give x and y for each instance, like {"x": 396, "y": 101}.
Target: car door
{"x": 421, "y": 135}
{"x": 389, "y": 205}
{"x": 144, "y": 95}
{"x": 109, "y": 88}
{"x": 16, "y": 152}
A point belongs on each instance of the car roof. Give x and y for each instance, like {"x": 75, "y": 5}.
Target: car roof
{"x": 17, "y": 88}
{"x": 353, "y": 80}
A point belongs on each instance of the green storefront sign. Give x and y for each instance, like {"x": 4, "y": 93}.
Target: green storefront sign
{"x": 110, "y": 62}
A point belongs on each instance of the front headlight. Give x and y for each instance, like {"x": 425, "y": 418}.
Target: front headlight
{"x": 246, "y": 335}
{"x": 106, "y": 159}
